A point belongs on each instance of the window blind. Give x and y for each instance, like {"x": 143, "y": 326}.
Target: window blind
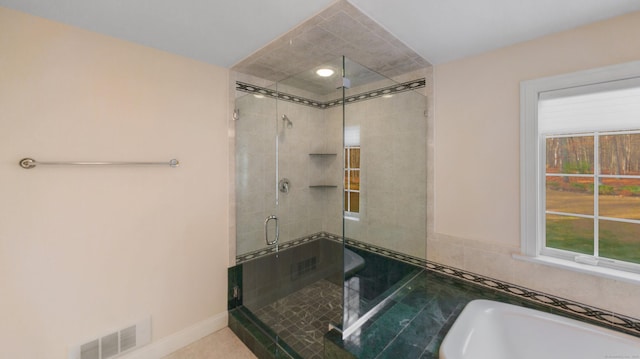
{"x": 352, "y": 136}
{"x": 607, "y": 106}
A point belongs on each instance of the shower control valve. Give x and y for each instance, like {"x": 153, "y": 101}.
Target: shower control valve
{"x": 283, "y": 185}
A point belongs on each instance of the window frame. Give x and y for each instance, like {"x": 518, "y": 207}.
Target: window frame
{"x": 348, "y": 214}
{"x": 532, "y": 172}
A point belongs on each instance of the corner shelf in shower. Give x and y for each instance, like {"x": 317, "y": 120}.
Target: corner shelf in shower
{"x": 323, "y": 155}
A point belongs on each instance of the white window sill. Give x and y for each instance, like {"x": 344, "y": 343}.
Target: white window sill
{"x": 582, "y": 268}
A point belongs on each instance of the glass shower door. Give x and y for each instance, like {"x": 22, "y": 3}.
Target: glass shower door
{"x": 255, "y": 170}
{"x": 258, "y": 225}
{"x": 269, "y": 189}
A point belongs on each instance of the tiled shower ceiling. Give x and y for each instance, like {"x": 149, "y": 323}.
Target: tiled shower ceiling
{"x": 339, "y": 30}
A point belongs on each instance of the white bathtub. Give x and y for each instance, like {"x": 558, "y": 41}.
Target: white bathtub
{"x": 492, "y": 330}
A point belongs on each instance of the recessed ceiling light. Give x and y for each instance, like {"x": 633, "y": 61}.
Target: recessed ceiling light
{"x": 258, "y": 95}
{"x": 387, "y": 95}
{"x": 324, "y": 72}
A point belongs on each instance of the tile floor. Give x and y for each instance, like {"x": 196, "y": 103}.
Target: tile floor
{"x": 221, "y": 344}
{"x": 302, "y": 318}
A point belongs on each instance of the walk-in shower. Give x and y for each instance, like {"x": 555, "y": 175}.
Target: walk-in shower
{"x": 331, "y": 212}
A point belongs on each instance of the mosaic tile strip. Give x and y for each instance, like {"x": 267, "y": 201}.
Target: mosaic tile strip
{"x": 265, "y": 252}
{"x": 336, "y": 238}
{"x": 385, "y": 91}
{"x": 620, "y": 322}
{"x": 257, "y": 90}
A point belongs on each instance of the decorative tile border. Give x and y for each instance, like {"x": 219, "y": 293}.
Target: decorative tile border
{"x": 265, "y": 252}
{"x": 606, "y": 318}
{"x": 617, "y": 321}
{"x": 257, "y": 90}
{"x": 385, "y": 91}
{"x": 336, "y": 238}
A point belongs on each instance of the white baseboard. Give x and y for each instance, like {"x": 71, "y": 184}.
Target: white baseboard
{"x": 167, "y": 345}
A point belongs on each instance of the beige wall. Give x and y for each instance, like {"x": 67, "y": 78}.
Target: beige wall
{"x": 477, "y": 207}
{"x": 87, "y": 250}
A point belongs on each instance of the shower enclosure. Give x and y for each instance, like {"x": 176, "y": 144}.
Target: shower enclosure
{"x": 330, "y": 201}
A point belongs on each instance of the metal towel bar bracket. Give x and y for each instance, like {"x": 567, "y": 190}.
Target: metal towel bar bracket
{"x": 28, "y": 163}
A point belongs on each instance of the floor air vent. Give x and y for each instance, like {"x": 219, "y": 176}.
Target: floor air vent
{"x": 113, "y": 344}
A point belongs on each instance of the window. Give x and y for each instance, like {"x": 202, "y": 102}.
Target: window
{"x": 580, "y": 170}
{"x": 352, "y": 180}
{"x": 352, "y": 172}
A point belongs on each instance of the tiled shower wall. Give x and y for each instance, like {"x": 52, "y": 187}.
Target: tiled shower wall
{"x": 300, "y": 211}
{"x": 393, "y": 179}
{"x": 393, "y": 176}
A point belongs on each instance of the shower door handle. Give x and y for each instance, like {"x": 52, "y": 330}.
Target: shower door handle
{"x": 266, "y": 230}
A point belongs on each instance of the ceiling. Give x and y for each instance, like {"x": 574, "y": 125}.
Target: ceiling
{"x": 340, "y": 30}
{"x": 225, "y": 32}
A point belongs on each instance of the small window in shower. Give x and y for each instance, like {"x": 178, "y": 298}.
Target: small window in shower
{"x": 352, "y": 172}
{"x": 352, "y": 181}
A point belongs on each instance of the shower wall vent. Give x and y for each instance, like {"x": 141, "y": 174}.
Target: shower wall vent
{"x": 113, "y": 344}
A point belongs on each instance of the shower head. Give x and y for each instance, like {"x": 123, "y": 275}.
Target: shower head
{"x": 286, "y": 121}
